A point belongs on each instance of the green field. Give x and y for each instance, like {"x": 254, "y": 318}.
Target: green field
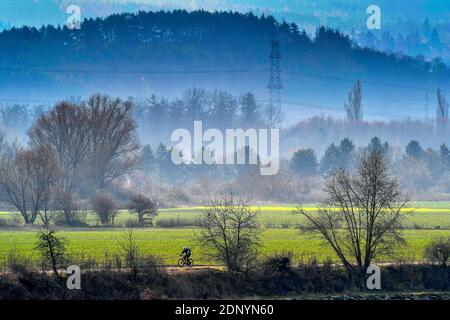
{"x": 167, "y": 243}
{"x": 278, "y": 230}
{"x": 420, "y": 215}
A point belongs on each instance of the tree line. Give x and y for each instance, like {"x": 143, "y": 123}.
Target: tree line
{"x": 74, "y": 151}
{"x": 157, "y": 117}
{"x": 417, "y": 168}
{"x": 227, "y": 39}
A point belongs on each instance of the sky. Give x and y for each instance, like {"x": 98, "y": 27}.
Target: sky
{"x": 38, "y": 12}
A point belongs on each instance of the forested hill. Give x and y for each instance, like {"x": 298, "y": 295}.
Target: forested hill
{"x": 34, "y": 62}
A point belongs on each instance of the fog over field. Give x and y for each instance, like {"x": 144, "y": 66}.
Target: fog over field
{"x": 224, "y": 149}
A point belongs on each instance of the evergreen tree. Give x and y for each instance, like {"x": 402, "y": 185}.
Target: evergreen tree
{"x": 250, "y": 110}
{"x": 414, "y": 150}
{"x": 338, "y": 157}
{"x": 148, "y": 159}
{"x": 435, "y": 40}
{"x": 304, "y": 162}
{"x": 375, "y": 145}
{"x": 426, "y": 28}
{"x": 444, "y": 154}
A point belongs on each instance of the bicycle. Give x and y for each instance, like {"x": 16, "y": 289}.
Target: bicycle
{"x": 183, "y": 262}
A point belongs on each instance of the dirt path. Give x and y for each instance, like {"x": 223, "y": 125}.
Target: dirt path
{"x": 178, "y": 270}
{"x": 170, "y": 269}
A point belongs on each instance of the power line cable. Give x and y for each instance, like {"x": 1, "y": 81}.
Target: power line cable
{"x": 204, "y": 71}
{"x": 336, "y": 78}
{"x": 318, "y": 106}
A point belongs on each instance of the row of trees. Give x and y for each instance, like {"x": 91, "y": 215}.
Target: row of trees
{"x": 204, "y": 30}
{"x": 106, "y": 208}
{"x": 157, "y": 163}
{"x": 75, "y": 150}
{"x": 427, "y": 43}
{"x": 343, "y": 155}
{"x": 19, "y": 117}
{"x": 417, "y": 168}
{"x": 158, "y": 117}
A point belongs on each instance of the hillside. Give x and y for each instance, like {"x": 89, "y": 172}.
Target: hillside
{"x": 167, "y": 52}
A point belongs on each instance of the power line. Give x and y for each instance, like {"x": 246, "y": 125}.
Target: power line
{"x": 336, "y": 78}
{"x": 52, "y": 70}
{"x": 28, "y": 100}
{"x": 227, "y": 71}
{"x": 380, "y": 102}
{"x": 391, "y": 102}
{"x": 209, "y": 71}
{"x": 318, "y": 106}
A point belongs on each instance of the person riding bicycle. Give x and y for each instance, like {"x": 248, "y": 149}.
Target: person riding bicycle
{"x": 186, "y": 252}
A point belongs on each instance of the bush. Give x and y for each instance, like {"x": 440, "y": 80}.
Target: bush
{"x": 177, "y": 222}
{"x": 52, "y": 249}
{"x": 438, "y": 251}
{"x": 153, "y": 282}
{"x": 16, "y": 263}
{"x": 280, "y": 263}
{"x": 417, "y": 226}
{"x": 7, "y": 223}
{"x": 230, "y": 233}
{"x": 77, "y": 220}
{"x": 132, "y": 223}
{"x": 132, "y": 254}
{"x": 144, "y": 207}
{"x": 105, "y": 208}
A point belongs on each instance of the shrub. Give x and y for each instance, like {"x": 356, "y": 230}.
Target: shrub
{"x": 177, "y": 222}
{"x": 76, "y": 220}
{"x": 6, "y": 223}
{"x": 438, "y": 251}
{"x": 144, "y": 207}
{"x": 132, "y": 223}
{"x": 132, "y": 254}
{"x": 280, "y": 263}
{"x": 105, "y": 208}
{"x": 417, "y": 226}
{"x": 52, "y": 250}
{"x": 16, "y": 263}
{"x": 152, "y": 267}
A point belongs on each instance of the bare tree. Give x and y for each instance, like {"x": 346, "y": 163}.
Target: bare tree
{"x": 143, "y": 207}
{"x": 114, "y": 145}
{"x": 196, "y": 100}
{"x": 273, "y": 116}
{"x": 361, "y": 216}
{"x": 230, "y": 233}
{"x": 29, "y": 179}
{"x": 66, "y": 130}
{"x": 441, "y": 113}
{"x": 94, "y": 143}
{"x": 105, "y": 208}
{"x": 353, "y": 106}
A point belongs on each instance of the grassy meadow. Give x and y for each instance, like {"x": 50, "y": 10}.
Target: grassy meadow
{"x": 167, "y": 243}
{"x": 425, "y": 220}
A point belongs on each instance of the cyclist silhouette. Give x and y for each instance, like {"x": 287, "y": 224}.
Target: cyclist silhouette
{"x": 186, "y": 253}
